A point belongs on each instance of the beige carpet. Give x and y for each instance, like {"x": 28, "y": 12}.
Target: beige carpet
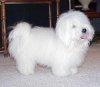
{"x": 88, "y": 76}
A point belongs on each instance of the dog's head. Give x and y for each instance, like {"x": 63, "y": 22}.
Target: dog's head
{"x": 74, "y": 26}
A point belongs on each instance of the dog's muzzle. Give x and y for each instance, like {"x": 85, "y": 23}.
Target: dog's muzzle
{"x": 84, "y": 34}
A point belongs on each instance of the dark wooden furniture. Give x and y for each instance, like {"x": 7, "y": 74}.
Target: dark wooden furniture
{"x": 92, "y": 15}
{"x": 3, "y": 16}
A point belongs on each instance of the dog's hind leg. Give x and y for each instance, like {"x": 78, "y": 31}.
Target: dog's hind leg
{"x": 25, "y": 67}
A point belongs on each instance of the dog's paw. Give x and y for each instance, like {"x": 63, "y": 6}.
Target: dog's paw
{"x": 25, "y": 71}
{"x": 61, "y": 73}
{"x": 74, "y": 70}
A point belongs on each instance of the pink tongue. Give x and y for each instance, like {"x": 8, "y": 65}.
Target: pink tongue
{"x": 84, "y": 36}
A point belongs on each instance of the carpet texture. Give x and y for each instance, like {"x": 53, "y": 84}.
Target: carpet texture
{"x": 88, "y": 75}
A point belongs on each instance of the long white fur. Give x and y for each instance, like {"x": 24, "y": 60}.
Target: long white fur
{"x": 62, "y": 49}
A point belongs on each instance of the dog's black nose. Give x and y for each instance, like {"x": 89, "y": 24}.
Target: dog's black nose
{"x": 84, "y": 30}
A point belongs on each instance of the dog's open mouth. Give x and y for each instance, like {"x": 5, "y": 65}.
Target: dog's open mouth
{"x": 84, "y": 36}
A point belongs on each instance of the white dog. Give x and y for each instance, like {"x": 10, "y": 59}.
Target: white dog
{"x": 62, "y": 49}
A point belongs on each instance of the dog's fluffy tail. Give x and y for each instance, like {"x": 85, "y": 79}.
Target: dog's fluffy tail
{"x": 18, "y": 36}
{"x": 22, "y": 29}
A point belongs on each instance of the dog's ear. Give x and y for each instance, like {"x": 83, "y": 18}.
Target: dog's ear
{"x": 63, "y": 28}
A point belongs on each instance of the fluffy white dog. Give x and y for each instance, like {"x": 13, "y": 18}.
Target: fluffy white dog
{"x": 62, "y": 49}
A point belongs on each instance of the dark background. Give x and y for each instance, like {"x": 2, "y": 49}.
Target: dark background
{"x": 36, "y": 14}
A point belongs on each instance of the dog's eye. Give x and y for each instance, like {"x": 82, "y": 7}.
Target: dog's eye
{"x": 73, "y": 26}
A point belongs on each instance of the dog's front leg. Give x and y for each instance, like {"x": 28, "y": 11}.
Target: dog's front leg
{"x": 60, "y": 71}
